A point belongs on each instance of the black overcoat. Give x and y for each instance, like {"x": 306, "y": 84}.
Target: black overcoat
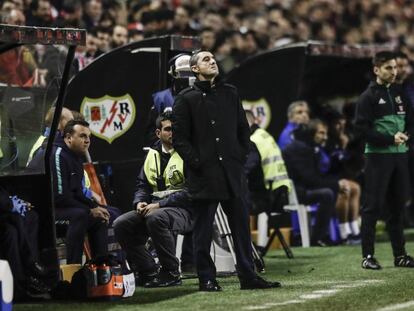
{"x": 211, "y": 134}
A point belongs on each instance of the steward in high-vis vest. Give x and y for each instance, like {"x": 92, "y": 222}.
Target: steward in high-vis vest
{"x": 266, "y": 172}
{"x": 161, "y": 210}
{"x": 272, "y": 164}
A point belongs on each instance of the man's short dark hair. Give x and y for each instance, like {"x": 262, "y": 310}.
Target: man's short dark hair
{"x": 313, "y": 126}
{"x": 401, "y": 54}
{"x": 194, "y": 57}
{"x": 382, "y": 57}
{"x": 165, "y": 116}
{"x": 69, "y": 127}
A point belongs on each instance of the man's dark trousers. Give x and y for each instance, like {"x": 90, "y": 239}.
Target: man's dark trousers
{"x": 80, "y": 224}
{"x": 386, "y": 175}
{"x": 325, "y": 198}
{"x": 162, "y": 225}
{"x": 238, "y": 219}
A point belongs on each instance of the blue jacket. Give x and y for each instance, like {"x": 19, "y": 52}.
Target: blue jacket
{"x": 67, "y": 176}
{"x": 286, "y": 137}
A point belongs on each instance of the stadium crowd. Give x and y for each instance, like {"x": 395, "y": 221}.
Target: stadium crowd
{"x": 232, "y": 29}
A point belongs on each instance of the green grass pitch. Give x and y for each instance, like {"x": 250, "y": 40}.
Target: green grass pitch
{"x": 316, "y": 279}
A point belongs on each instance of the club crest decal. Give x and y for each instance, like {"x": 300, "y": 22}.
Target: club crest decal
{"x": 109, "y": 117}
{"x": 260, "y": 109}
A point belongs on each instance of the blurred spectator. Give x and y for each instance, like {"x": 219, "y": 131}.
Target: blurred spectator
{"x": 107, "y": 20}
{"x": 135, "y": 35}
{"x": 403, "y": 68}
{"x": 17, "y": 66}
{"x": 119, "y": 36}
{"x": 212, "y": 20}
{"x": 13, "y": 17}
{"x": 104, "y": 39}
{"x": 157, "y": 22}
{"x": 92, "y": 13}
{"x": 249, "y": 46}
{"x": 40, "y": 13}
{"x": 208, "y": 39}
{"x": 7, "y": 5}
{"x": 182, "y": 24}
{"x": 70, "y": 15}
{"x": 85, "y": 55}
{"x": 224, "y": 52}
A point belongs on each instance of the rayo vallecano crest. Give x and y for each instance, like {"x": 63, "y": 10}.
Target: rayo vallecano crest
{"x": 260, "y": 109}
{"x": 109, "y": 117}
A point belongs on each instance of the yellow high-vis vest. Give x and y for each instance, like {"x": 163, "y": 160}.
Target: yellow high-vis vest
{"x": 173, "y": 174}
{"x": 273, "y": 166}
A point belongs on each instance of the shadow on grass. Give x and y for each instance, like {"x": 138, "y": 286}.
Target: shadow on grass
{"x": 297, "y": 256}
{"x": 141, "y": 297}
{"x": 158, "y": 295}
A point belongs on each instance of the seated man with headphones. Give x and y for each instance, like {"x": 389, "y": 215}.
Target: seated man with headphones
{"x": 161, "y": 211}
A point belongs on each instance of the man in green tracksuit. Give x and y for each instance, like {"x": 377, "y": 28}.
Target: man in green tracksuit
{"x": 384, "y": 117}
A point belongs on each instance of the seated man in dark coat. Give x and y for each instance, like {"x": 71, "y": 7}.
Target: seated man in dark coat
{"x": 83, "y": 214}
{"x": 302, "y": 159}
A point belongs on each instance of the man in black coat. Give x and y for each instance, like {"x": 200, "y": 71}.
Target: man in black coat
{"x": 211, "y": 134}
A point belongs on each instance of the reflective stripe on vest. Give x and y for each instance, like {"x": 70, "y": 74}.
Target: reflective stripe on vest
{"x": 273, "y": 166}
{"x": 173, "y": 174}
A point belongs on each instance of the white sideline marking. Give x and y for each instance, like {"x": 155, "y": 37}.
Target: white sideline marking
{"x": 337, "y": 286}
{"x": 274, "y": 304}
{"x": 398, "y": 306}
{"x": 311, "y": 296}
{"x": 326, "y": 291}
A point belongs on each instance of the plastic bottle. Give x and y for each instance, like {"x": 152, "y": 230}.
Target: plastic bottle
{"x": 104, "y": 274}
{"x": 92, "y": 276}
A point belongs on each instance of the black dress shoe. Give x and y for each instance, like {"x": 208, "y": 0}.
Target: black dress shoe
{"x": 35, "y": 288}
{"x": 210, "y": 286}
{"x": 257, "y": 283}
{"x": 165, "y": 279}
{"x": 142, "y": 278}
{"x": 38, "y": 270}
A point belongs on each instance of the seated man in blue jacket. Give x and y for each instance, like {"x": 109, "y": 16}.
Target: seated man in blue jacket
{"x": 83, "y": 214}
{"x": 161, "y": 211}
{"x": 297, "y": 113}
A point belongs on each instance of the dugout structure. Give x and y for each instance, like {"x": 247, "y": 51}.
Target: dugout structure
{"x": 322, "y": 74}
{"x": 114, "y": 93}
{"x": 34, "y": 71}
